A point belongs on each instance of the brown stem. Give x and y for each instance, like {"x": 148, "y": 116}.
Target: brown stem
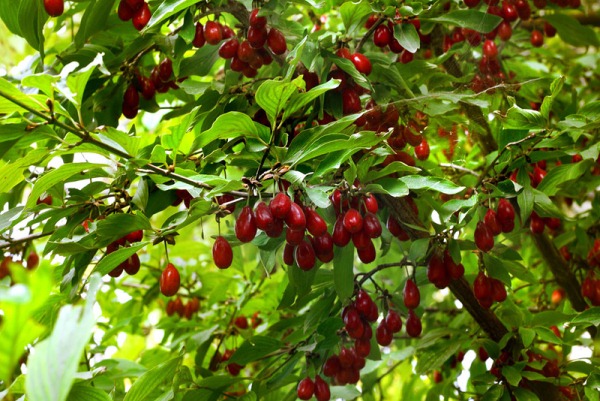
{"x": 11, "y": 242}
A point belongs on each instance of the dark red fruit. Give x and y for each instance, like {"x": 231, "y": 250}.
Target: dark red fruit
{"x": 323, "y": 244}
{"x": 288, "y": 254}
{"x": 350, "y": 101}
{"x": 165, "y": 70}
{"x": 222, "y": 253}
{"x": 353, "y": 221}
{"x": 393, "y": 321}
{"x": 141, "y": 17}
{"x": 422, "y": 150}
{"x": 505, "y": 215}
{"x": 371, "y": 204}
{"x": 382, "y": 36}
{"x": 280, "y": 205}
{"x": 169, "y": 281}
{"x": 241, "y": 322}
{"x": 322, "y": 392}
{"x": 396, "y": 230}
{"x": 264, "y": 217}
{"x": 294, "y": 237}
{"x": 276, "y": 41}
{"x": 413, "y": 324}
{"x": 411, "y": 294}
{"x": 509, "y": 12}
{"x": 484, "y": 239}
{"x": 306, "y": 389}
{"x": 332, "y": 365}
{"x": 147, "y": 87}
{"x": 245, "y": 225}
{"x": 296, "y": 219}
{"x": 436, "y": 272}
{"x": 199, "y": 39}
{"x": 212, "y": 32}
{"x": 504, "y": 31}
{"x": 131, "y": 100}
{"x": 523, "y": 9}
{"x": 255, "y": 20}
{"x": 368, "y": 253}
{"x": 257, "y": 37}
{"x": 125, "y": 12}
{"x": 491, "y": 222}
{"x": 537, "y": 38}
{"x": 482, "y": 286}
{"x": 134, "y": 236}
{"x": 549, "y": 30}
{"x": 498, "y": 290}
{"x": 33, "y": 260}
{"x": 314, "y": 222}
{"x": 361, "y": 62}
{"x": 383, "y": 334}
{"x": 229, "y": 48}
{"x": 341, "y": 237}
{"x": 54, "y": 8}
{"x": 536, "y": 224}
{"x": 371, "y": 226}
{"x": 304, "y": 255}
{"x": 132, "y": 264}
{"x": 489, "y": 49}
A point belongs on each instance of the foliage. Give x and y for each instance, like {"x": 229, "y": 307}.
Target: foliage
{"x": 453, "y": 158}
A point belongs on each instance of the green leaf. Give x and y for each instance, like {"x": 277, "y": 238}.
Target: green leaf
{"x": 54, "y": 177}
{"x": 549, "y": 318}
{"x": 560, "y": 176}
{"x": 512, "y": 375}
{"x": 353, "y": 14}
{"x": 12, "y": 173}
{"x": 519, "y": 271}
{"x": 168, "y": 8}
{"x": 518, "y": 118}
{"x": 299, "y": 100}
{"x": 391, "y": 186}
{"x": 408, "y": 36}
{"x": 118, "y": 225}
{"x": 10, "y": 16}
{"x": 571, "y": 30}
{"x": 429, "y": 360}
{"x": 114, "y": 259}
{"x": 524, "y": 395}
{"x": 232, "y": 125}
{"x": 272, "y": 96}
{"x": 527, "y": 335}
{"x": 416, "y": 182}
{"x": 545, "y": 334}
{"x": 591, "y": 316}
{"x": 255, "y": 348}
{"x": 9, "y": 91}
{"x": 479, "y": 21}
{"x": 511, "y": 135}
{"x": 62, "y": 350}
{"x": 77, "y": 81}
{"x": 525, "y": 200}
{"x": 119, "y": 140}
{"x": 32, "y": 18}
{"x": 85, "y": 392}
{"x": 343, "y": 271}
{"x": 94, "y": 20}
{"x": 544, "y": 206}
{"x": 200, "y": 64}
{"x": 149, "y": 381}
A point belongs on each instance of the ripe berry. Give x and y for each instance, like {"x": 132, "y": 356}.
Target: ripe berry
{"x": 371, "y": 226}
{"x": 222, "y": 253}
{"x": 132, "y": 264}
{"x": 509, "y": 12}
{"x": 54, "y": 8}
{"x": 549, "y": 30}
{"x": 353, "y": 221}
{"x": 523, "y": 9}
{"x": 212, "y": 32}
{"x": 504, "y": 31}
{"x": 264, "y": 218}
{"x": 368, "y": 253}
{"x": 383, "y": 334}
{"x": 304, "y": 255}
{"x": 255, "y": 20}
{"x": 257, "y": 37}
{"x": 314, "y": 222}
{"x": 33, "y": 260}
{"x": 280, "y": 205}
{"x": 229, "y": 48}
{"x": 332, "y": 365}
{"x": 537, "y": 38}
{"x": 411, "y": 294}
{"x": 484, "y": 239}
{"x": 141, "y": 17}
{"x": 306, "y": 389}
{"x": 295, "y": 218}
{"x": 199, "y": 39}
{"x": 169, "y": 281}
{"x": 165, "y": 70}
{"x": 341, "y": 237}
{"x": 245, "y": 225}
{"x": 536, "y": 224}
{"x": 241, "y": 322}
{"x": 537, "y": 176}
{"x": 436, "y": 272}
{"x": 498, "y": 290}
{"x": 489, "y": 49}
{"x": 276, "y": 41}
{"x": 505, "y": 215}
{"x": 393, "y": 321}
{"x": 362, "y": 63}
{"x": 422, "y": 150}
{"x": 491, "y": 222}
{"x": 131, "y": 100}
{"x": 125, "y": 12}
{"x": 371, "y": 204}
{"x": 350, "y": 101}
{"x": 482, "y": 286}
{"x": 413, "y": 324}
{"x": 382, "y": 36}
{"x": 322, "y": 392}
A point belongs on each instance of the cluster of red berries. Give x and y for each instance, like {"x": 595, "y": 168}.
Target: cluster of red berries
{"x": 442, "y": 269}
{"x": 537, "y": 223}
{"x": 170, "y": 281}
{"x": 495, "y": 222}
{"x": 348, "y": 89}
{"x": 319, "y": 388}
{"x": 137, "y": 11}
{"x": 383, "y": 36}
{"x": 234, "y": 369}
{"x": 186, "y": 310}
{"x": 160, "y": 80}
{"x": 54, "y": 8}
{"x": 31, "y": 262}
{"x": 590, "y": 287}
{"x": 241, "y": 322}
{"x": 130, "y": 265}
{"x": 488, "y": 290}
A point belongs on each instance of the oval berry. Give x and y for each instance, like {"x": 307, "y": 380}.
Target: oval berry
{"x": 304, "y": 255}
{"x": 54, "y": 8}
{"x": 413, "y": 324}
{"x": 276, "y": 41}
{"x": 245, "y": 225}
{"x": 264, "y": 218}
{"x": 169, "y": 281}
{"x": 280, "y": 205}
{"x": 411, "y": 294}
{"x": 222, "y": 253}
{"x": 296, "y": 219}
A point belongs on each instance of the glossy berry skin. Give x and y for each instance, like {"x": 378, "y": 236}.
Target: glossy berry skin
{"x": 353, "y": 221}
{"x": 382, "y": 36}
{"x": 255, "y": 20}
{"x": 484, "y": 239}
{"x": 393, "y": 321}
{"x": 436, "y": 272}
{"x": 371, "y": 226}
{"x": 199, "y": 39}
{"x": 413, "y": 324}
{"x": 306, "y": 389}
{"x": 124, "y": 12}
{"x": 411, "y": 294}
{"x": 498, "y": 290}
{"x": 132, "y": 264}
{"x": 491, "y": 221}
{"x": 322, "y": 392}
{"x": 537, "y": 38}
{"x": 323, "y": 246}
{"x": 222, "y": 253}
{"x": 315, "y": 224}
{"x": 134, "y": 236}
{"x": 229, "y": 48}
{"x": 304, "y": 255}
{"x": 165, "y": 69}
{"x": 296, "y": 219}
{"x": 362, "y": 63}
{"x": 489, "y": 49}
{"x": 280, "y": 205}
{"x": 332, "y": 366}
{"x": 505, "y": 215}
{"x": 169, "y": 281}
{"x": 341, "y": 237}
{"x": 245, "y": 225}
{"x": 257, "y": 37}
{"x": 212, "y": 32}
{"x": 350, "y": 101}
{"x": 141, "y": 17}
{"x": 422, "y": 150}
{"x": 276, "y": 41}
{"x": 383, "y": 334}
{"x": 54, "y": 8}
{"x": 241, "y": 322}
{"x": 482, "y": 286}
{"x": 368, "y": 253}
{"x": 371, "y": 204}
{"x": 131, "y": 100}
{"x": 264, "y": 217}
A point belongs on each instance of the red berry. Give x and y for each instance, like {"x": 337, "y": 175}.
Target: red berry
{"x": 537, "y": 38}
{"x": 482, "y": 286}
{"x": 498, "y": 290}
{"x": 362, "y": 63}
{"x": 413, "y": 324}
{"x": 304, "y": 255}
{"x": 213, "y": 33}
{"x": 257, "y": 37}
{"x": 125, "y": 12}
{"x": 484, "y": 239}
{"x": 351, "y": 318}
{"x": 383, "y": 334}
{"x": 141, "y": 17}
{"x": 550, "y": 32}
{"x": 491, "y": 221}
{"x": 199, "y": 39}
{"x": 264, "y": 217}
{"x": 295, "y": 218}
{"x": 411, "y": 294}
{"x": 368, "y": 253}
{"x": 350, "y": 101}
{"x": 288, "y": 254}
{"x": 332, "y": 366}
{"x": 341, "y": 237}
{"x": 489, "y": 49}
{"x": 472, "y": 3}
{"x": 322, "y": 392}
{"x": 536, "y": 224}
{"x": 222, "y": 253}
{"x": 509, "y": 12}
{"x": 245, "y": 225}
{"x": 165, "y": 70}
{"x": 371, "y": 204}
{"x": 280, "y": 205}
{"x": 504, "y": 31}
{"x": 456, "y": 271}
{"x": 362, "y": 346}
{"x": 353, "y": 221}
{"x": 241, "y": 322}
{"x": 437, "y": 273}
{"x": 382, "y": 36}
{"x": 314, "y": 222}
{"x": 523, "y": 9}
{"x": 393, "y": 321}
{"x": 54, "y": 8}
{"x": 422, "y": 150}
{"x": 276, "y": 41}
{"x": 255, "y": 20}
{"x": 371, "y": 226}
{"x": 505, "y": 215}
{"x": 132, "y": 264}
{"x": 33, "y": 260}
{"x": 131, "y": 100}
{"x": 323, "y": 244}
{"x": 306, "y": 389}
{"x": 169, "y": 281}
{"x": 229, "y": 48}
{"x": 294, "y": 237}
